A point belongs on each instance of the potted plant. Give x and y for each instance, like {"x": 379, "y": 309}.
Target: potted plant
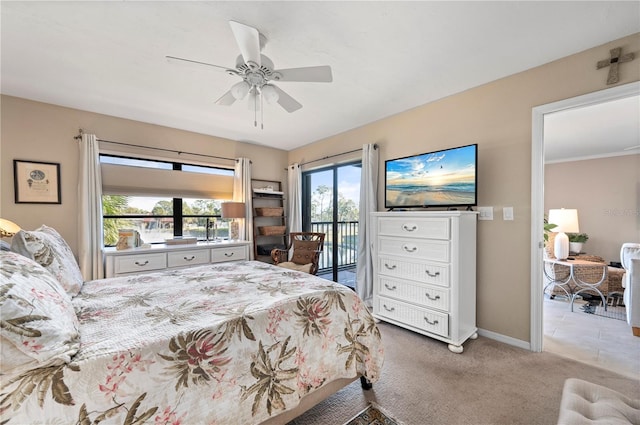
{"x": 548, "y": 227}
{"x": 576, "y": 241}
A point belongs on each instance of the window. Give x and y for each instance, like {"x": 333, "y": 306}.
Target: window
{"x": 163, "y": 199}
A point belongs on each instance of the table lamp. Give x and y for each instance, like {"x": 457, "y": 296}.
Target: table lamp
{"x": 233, "y": 210}
{"x": 566, "y": 221}
{"x": 8, "y": 228}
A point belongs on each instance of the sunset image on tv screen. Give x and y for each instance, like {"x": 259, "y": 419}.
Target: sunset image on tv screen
{"x": 440, "y": 178}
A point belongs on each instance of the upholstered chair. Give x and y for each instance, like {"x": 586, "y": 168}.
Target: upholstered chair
{"x": 305, "y": 248}
{"x": 630, "y": 259}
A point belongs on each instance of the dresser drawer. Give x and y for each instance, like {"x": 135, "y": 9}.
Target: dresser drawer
{"x": 421, "y": 318}
{"x": 416, "y": 293}
{"x": 187, "y": 258}
{"x": 140, "y": 263}
{"x": 415, "y": 227}
{"x": 232, "y": 253}
{"x": 422, "y": 271}
{"x": 426, "y": 249}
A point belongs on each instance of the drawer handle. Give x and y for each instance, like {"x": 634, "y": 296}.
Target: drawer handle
{"x": 189, "y": 259}
{"x": 409, "y": 229}
{"x": 435, "y": 322}
{"x": 437, "y": 297}
{"x": 436, "y": 274}
{"x": 228, "y": 254}
{"x": 390, "y": 267}
{"x": 142, "y": 264}
{"x": 387, "y": 308}
{"x": 412, "y": 249}
{"x": 391, "y": 288}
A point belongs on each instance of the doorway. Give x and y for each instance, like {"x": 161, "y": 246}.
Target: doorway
{"x": 330, "y": 199}
{"x": 537, "y": 192}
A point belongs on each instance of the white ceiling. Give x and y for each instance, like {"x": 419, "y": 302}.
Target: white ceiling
{"x": 605, "y": 129}
{"x": 386, "y": 57}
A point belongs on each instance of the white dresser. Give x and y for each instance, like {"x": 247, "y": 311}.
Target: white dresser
{"x": 161, "y": 256}
{"x": 425, "y": 273}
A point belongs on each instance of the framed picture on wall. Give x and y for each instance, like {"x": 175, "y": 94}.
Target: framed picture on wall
{"x": 36, "y": 182}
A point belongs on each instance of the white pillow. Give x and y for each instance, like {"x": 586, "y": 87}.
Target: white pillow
{"x": 49, "y": 249}
{"x": 39, "y": 324}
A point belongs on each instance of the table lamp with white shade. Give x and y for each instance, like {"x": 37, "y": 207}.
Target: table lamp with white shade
{"x": 233, "y": 210}
{"x": 566, "y": 221}
{"x": 8, "y": 228}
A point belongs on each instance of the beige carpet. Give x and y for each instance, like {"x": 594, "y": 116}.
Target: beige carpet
{"x": 490, "y": 383}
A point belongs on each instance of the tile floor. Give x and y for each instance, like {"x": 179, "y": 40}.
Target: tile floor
{"x": 591, "y": 339}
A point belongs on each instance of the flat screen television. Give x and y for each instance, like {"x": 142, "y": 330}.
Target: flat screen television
{"x": 445, "y": 178}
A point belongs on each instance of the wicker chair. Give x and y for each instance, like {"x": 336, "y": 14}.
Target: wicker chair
{"x": 557, "y": 273}
{"x": 305, "y": 256}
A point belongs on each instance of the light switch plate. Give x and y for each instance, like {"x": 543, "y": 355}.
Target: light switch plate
{"x": 507, "y": 213}
{"x": 485, "y": 213}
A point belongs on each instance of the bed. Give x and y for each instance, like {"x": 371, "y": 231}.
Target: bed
{"x": 228, "y": 343}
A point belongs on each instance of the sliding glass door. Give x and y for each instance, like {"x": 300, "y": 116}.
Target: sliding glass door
{"x": 330, "y": 205}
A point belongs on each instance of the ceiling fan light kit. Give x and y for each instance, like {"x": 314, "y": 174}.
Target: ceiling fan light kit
{"x": 257, "y": 73}
{"x": 270, "y": 94}
{"x": 240, "y": 90}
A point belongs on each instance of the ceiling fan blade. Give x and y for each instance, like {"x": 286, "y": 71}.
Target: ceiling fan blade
{"x": 176, "y": 60}
{"x": 226, "y": 99}
{"x": 314, "y": 74}
{"x": 287, "y": 102}
{"x": 248, "y": 39}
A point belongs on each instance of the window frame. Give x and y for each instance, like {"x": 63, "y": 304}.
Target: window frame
{"x": 177, "y": 216}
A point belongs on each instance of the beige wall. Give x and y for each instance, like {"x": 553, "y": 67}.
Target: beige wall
{"x": 497, "y": 116}
{"x": 43, "y": 132}
{"x": 606, "y": 194}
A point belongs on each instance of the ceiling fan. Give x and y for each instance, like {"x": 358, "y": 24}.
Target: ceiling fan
{"x": 258, "y": 74}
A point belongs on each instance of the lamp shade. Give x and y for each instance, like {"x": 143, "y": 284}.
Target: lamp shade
{"x": 233, "y": 210}
{"x": 8, "y": 228}
{"x": 566, "y": 220}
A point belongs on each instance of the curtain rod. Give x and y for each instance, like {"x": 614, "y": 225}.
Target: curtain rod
{"x": 375, "y": 146}
{"x": 78, "y": 137}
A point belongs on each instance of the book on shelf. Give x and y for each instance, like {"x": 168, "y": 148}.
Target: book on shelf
{"x": 128, "y": 238}
{"x": 179, "y": 240}
{"x": 267, "y": 191}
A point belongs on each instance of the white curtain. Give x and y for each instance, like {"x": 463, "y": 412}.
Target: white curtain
{"x": 368, "y": 204}
{"x": 294, "y": 196}
{"x": 242, "y": 192}
{"x": 90, "y": 226}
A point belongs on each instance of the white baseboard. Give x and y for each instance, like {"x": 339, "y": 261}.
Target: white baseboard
{"x": 506, "y": 339}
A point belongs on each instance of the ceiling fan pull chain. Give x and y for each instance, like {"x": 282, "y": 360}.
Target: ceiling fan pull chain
{"x": 255, "y": 108}
{"x": 261, "y": 112}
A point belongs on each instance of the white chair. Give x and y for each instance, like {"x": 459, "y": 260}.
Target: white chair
{"x": 630, "y": 259}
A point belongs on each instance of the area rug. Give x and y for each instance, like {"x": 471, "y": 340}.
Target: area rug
{"x": 373, "y": 414}
{"x": 614, "y": 311}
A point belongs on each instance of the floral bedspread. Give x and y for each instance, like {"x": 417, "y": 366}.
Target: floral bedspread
{"x": 228, "y": 343}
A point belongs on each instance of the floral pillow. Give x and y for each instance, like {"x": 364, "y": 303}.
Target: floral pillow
{"x": 49, "y": 249}
{"x": 39, "y": 325}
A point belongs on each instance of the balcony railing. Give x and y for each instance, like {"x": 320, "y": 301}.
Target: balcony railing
{"x": 347, "y": 243}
